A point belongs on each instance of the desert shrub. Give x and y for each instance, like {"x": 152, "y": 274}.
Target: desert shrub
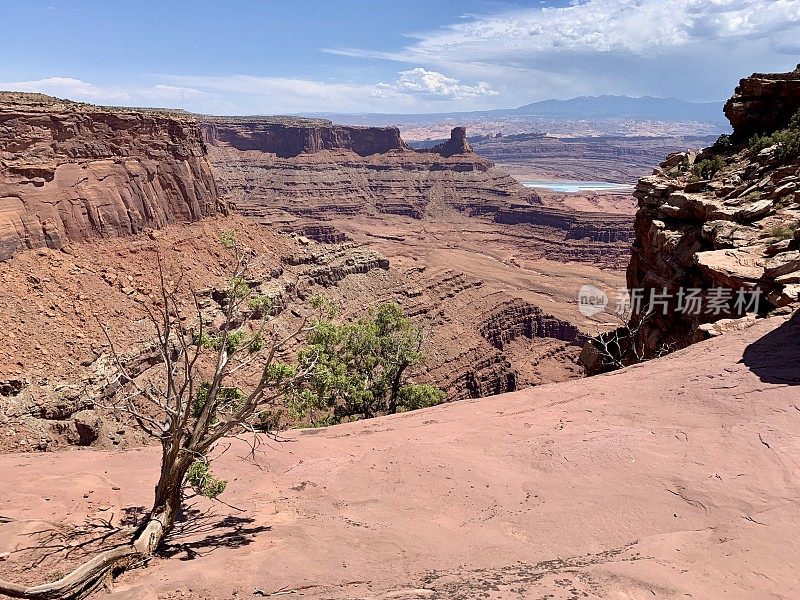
{"x": 794, "y": 122}
{"x": 270, "y": 420}
{"x": 787, "y": 141}
{"x": 412, "y": 397}
{"x": 359, "y": 370}
{"x": 199, "y": 477}
{"x": 723, "y": 144}
{"x": 780, "y": 232}
{"x": 708, "y": 167}
{"x": 757, "y": 142}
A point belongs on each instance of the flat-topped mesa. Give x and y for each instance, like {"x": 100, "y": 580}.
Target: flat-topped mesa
{"x": 288, "y": 137}
{"x": 763, "y": 103}
{"x": 72, "y": 171}
{"x": 311, "y": 168}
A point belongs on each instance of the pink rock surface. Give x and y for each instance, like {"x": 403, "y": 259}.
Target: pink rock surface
{"x": 677, "y": 478}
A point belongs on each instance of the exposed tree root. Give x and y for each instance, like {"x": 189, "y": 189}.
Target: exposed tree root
{"x": 92, "y": 574}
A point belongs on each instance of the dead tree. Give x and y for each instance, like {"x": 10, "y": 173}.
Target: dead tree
{"x": 187, "y": 412}
{"x": 626, "y": 344}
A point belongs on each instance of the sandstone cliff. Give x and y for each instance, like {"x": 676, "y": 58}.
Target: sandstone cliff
{"x": 724, "y": 222}
{"x": 287, "y": 136}
{"x": 72, "y": 171}
{"x": 314, "y": 168}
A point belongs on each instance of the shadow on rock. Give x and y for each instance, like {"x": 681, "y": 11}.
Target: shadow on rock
{"x": 197, "y": 534}
{"x": 775, "y": 358}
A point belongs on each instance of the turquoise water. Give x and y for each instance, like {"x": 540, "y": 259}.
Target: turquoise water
{"x": 578, "y": 186}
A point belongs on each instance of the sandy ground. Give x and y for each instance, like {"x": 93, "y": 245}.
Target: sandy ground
{"x": 677, "y": 478}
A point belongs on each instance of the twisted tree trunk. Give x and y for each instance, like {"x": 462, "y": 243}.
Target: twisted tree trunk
{"x": 93, "y": 574}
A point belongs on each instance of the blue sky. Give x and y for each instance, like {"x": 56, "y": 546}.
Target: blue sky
{"x": 247, "y": 57}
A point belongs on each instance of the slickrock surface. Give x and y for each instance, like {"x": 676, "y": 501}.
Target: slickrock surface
{"x": 595, "y": 488}
{"x": 73, "y": 171}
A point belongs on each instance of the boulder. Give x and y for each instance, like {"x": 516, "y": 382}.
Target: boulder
{"x": 89, "y": 427}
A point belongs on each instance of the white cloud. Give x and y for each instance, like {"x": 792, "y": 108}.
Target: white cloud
{"x": 68, "y": 87}
{"x": 248, "y": 94}
{"x": 676, "y": 47}
{"x": 431, "y": 83}
{"x": 76, "y": 89}
{"x": 641, "y": 27}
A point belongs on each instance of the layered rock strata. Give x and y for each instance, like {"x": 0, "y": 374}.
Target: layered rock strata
{"x": 597, "y": 227}
{"x": 72, "y": 172}
{"x": 315, "y": 169}
{"x": 479, "y": 341}
{"x": 287, "y": 137}
{"x": 325, "y": 172}
{"x": 517, "y": 318}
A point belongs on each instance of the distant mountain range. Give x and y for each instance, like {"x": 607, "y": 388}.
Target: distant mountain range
{"x": 617, "y": 107}
{"x": 584, "y": 107}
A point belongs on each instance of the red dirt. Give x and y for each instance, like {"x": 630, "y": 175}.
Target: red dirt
{"x": 676, "y": 478}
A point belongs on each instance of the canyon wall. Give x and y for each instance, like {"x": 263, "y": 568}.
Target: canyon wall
{"x": 597, "y": 227}
{"x": 71, "y": 171}
{"x": 312, "y": 168}
{"x": 324, "y": 173}
{"x": 287, "y": 137}
{"x": 722, "y": 225}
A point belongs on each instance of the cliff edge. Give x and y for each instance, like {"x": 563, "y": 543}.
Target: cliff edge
{"x": 72, "y": 171}
{"x": 595, "y": 488}
{"x": 718, "y": 232}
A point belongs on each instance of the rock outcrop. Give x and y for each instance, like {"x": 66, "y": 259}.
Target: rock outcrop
{"x": 718, "y": 233}
{"x": 71, "y": 171}
{"x": 457, "y": 144}
{"x": 764, "y": 102}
